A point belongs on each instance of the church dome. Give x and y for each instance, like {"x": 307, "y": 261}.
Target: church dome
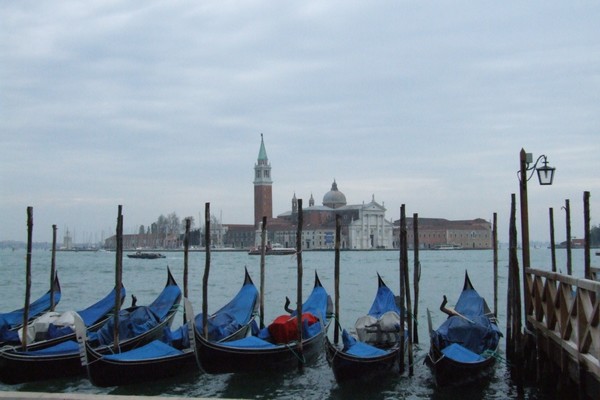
{"x": 334, "y": 198}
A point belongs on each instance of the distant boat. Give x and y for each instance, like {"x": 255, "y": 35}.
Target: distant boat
{"x": 448, "y": 247}
{"x": 149, "y": 256}
{"x": 276, "y": 249}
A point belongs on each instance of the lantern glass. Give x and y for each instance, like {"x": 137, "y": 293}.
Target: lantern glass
{"x": 545, "y": 175}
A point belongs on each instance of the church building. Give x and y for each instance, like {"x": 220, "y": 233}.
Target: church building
{"x": 363, "y": 225}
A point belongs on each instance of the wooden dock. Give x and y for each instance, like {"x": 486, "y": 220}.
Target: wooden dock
{"x": 563, "y": 316}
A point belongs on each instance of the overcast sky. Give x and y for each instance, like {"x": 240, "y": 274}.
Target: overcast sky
{"x": 159, "y": 106}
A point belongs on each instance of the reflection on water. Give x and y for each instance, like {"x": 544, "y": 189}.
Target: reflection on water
{"x": 86, "y": 277}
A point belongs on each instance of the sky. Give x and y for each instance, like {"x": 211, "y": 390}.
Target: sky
{"x": 158, "y": 106}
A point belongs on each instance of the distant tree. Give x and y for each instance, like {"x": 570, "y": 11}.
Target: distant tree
{"x": 162, "y": 224}
{"x": 173, "y": 223}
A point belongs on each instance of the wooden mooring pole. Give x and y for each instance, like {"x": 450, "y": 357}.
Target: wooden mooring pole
{"x": 408, "y": 300}
{"x": 186, "y": 249}
{"x": 336, "y": 273}
{"x": 586, "y": 220}
{"x": 299, "y": 285}
{"x": 118, "y": 276}
{"x": 405, "y": 299}
{"x": 53, "y": 269}
{"x": 416, "y": 276}
{"x": 495, "y": 262}
{"x": 263, "y": 249}
{"x": 567, "y": 208}
{"x": 552, "y": 242}
{"x": 28, "y": 275}
{"x": 206, "y": 270}
{"x": 402, "y": 296}
{"x": 513, "y": 309}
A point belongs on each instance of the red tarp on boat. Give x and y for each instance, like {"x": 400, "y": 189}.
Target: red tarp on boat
{"x": 284, "y": 328}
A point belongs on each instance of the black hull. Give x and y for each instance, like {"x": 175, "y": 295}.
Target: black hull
{"x": 448, "y": 372}
{"x": 347, "y": 367}
{"x": 218, "y": 359}
{"x": 105, "y": 373}
{"x": 18, "y": 368}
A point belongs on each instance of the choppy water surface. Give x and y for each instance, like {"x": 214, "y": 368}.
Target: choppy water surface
{"x": 87, "y": 276}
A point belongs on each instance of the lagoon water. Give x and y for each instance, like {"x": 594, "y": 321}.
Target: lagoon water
{"x": 88, "y": 276}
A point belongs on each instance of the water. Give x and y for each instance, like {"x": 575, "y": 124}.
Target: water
{"x": 87, "y": 276}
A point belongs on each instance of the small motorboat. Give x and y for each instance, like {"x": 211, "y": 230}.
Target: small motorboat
{"x": 146, "y": 256}
{"x": 275, "y": 250}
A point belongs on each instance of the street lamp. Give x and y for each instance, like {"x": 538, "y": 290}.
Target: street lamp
{"x": 545, "y": 173}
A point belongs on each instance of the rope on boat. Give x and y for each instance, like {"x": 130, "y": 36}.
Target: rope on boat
{"x": 300, "y": 358}
{"x": 412, "y": 317}
{"x": 418, "y": 359}
{"x": 492, "y": 353}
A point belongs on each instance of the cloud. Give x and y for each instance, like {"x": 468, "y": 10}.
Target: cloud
{"x": 160, "y": 106}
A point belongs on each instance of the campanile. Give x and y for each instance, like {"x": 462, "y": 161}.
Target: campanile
{"x": 263, "y": 194}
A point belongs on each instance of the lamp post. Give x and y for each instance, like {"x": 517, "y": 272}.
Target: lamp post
{"x": 545, "y": 177}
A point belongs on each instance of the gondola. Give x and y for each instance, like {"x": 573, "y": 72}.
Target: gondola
{"x": 138, "y": 325}
{"x": 376, "y": 350}
{"x": 52, "y": 327}
{"x": 10, "y": 322}
{"x": 261, "y": 351}
{"x": 174, "y": 354}
{"x": 464, "y": 347}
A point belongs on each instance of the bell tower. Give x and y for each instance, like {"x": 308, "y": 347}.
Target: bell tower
{"x": 263, "y": 194}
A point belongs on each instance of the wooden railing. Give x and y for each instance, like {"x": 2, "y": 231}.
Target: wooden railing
{"x": 567, "y": 310}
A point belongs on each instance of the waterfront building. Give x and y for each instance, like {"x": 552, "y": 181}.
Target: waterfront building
{"x": 439, "y": 233}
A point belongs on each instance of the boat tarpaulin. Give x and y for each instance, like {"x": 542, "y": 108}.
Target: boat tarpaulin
{"x": 359, "y": 349}
{"x": 459, "y": 353}
{"x": 154, "y": 349}
{"x": 131, "y": 324}
{"x": 232, "y": 316}
{"x": 284, "y": 329}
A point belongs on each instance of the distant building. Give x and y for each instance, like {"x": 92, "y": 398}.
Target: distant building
{"x": 363, "y": 225}
{"x": 263, "y": 186}
{"x": 441, "y": 233}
